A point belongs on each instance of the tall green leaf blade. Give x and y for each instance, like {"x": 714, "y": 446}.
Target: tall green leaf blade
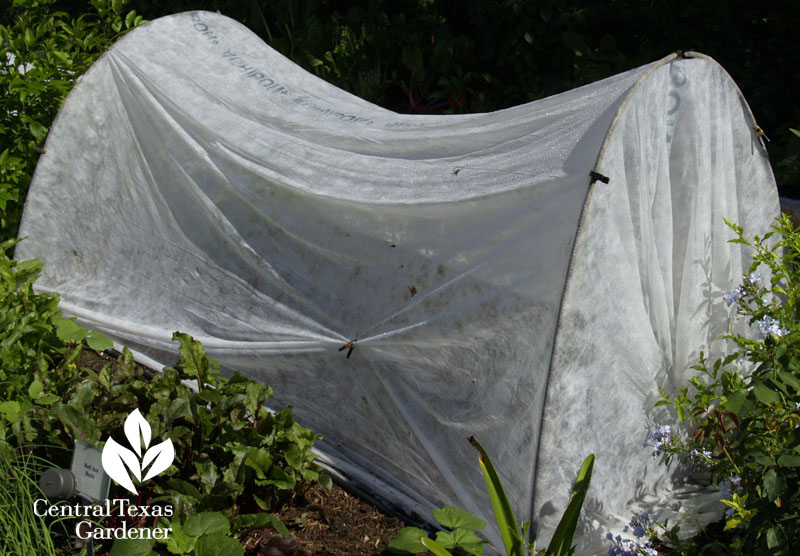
{"x": 435, "y": 547}
{"x": 561, "y": 543}
{"x": 408, "y": 540}
{"x": 506, "y": 521}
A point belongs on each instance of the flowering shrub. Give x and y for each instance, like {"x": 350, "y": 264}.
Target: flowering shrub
{"x": 745, "y": 408}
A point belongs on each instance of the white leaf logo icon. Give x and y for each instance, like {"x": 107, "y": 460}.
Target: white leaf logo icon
{"x": 163, "y": 454}
{"x": 116, "y": 458}
{"x": 135, "y": 425}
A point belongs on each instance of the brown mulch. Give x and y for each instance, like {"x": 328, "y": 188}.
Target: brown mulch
{"x": 325, "y": 522}
{"x": 335, "y": 523}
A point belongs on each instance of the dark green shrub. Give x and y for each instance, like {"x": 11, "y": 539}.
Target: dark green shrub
{"x": 43, "y": 52}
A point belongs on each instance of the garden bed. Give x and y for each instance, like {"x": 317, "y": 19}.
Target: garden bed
{"x": 324, "y": 522}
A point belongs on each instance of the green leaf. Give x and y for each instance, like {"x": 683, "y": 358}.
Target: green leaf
{"x": 325, "y": 481}
{"x": 739, "y": 403}
{"x": 776, "y": 539}
{"x": 281, "y": 478}
{"x": 208, "y": 474}
{"x": 206, "y": 523}
{"x": 789, "y": 461}
{"x": 435, "y": 547}
{"x": 78, "y": 423}
{"x": 131, "y": 547}
{"x": 177, "y": 408}
{"x": 774, "y": 485}
{"x": 561, "y": 543}
{"x": 256, "y": 394}
{"x": 765, "y": 395}
{"x": 183, "y": 487}
{"x": 503, "y": 513}
{"x": 178, "y": 542}
{"x": 218, "y": 545}
{"x": 789, "y": 379}
{"x": 780, "y": 350}
{"x": 35, "y": 389}
{"x": 732, "y": 523}
{"x": 408, "y": 541}
{"x": 68, "y": 331}
{"x": 47, "y": 399}
{"x": 463, "y": 539}
{"x": 195, "y": 361}
{"x": 278, "y": 525}
{"x": 98, "y": 341}
{"x": 246, "y": 521}
{"x": 10, "y": 410}
{"x": 761, "y": 458}
{"x": 293, "y": 457}
{"x": 453, "y": 517}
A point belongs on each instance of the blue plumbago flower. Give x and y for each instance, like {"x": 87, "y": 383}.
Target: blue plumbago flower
{"x": 754, "y": 278}
{"x": 630, "y": 547}
{"x": 733, "y": 296}
{"x": 640, "y": 521}
{"x": 706, "y": 454}
{"x": 769, "y": 325}
{"x": 657, "y": 438}
{"x": 622, "y": 547}
{"x": 730, "y": 485}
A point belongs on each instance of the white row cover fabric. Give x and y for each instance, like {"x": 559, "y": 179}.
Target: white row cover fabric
{"x": 196, "y": 180}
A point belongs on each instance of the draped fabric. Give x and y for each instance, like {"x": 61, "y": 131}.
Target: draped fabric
{"x": 490, "y": 284}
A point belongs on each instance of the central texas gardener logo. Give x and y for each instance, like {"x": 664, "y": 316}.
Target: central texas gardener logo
{"x": 116, "y": 458}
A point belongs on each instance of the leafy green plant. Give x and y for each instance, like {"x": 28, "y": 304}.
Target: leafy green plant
{"x": 518, "y": 540}
{"x": 745, "y": 408}
{"x": 235, "y": 461}
{"x": 246, "y": 458}
{"x": 38, "y": 346}
{"x": 207, "y": 534}
{"x": 43, "y": 52}
{"x": 461, "y": 535}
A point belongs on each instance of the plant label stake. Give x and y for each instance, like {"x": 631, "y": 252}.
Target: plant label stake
{"x": 91, "y": 479}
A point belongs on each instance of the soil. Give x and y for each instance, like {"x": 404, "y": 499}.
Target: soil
{"x": 322, "y": 522}
{"x": 336, "y": 523}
